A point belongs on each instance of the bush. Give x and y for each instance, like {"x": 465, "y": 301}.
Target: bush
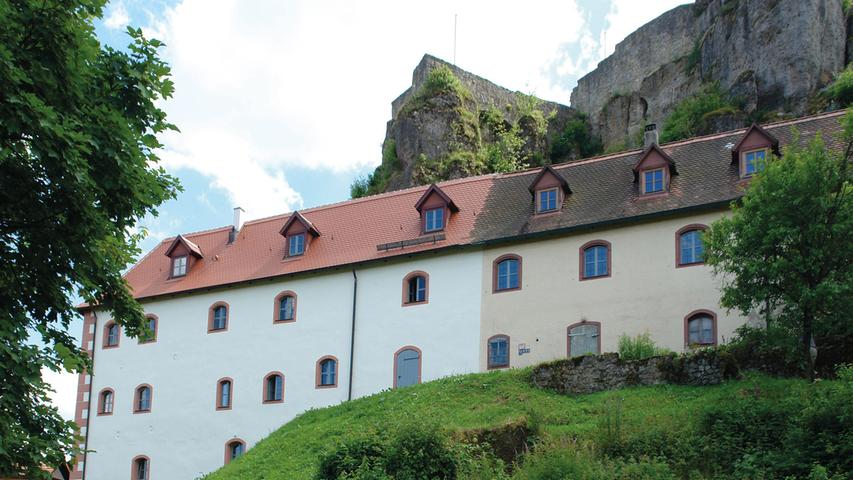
{"x": 354, "y": 455}
{"x": 420, "y": 453}
{"x": 688, "y": 117}
{"x": 639, "y": 347}
{"x": 575, "y": 140}
{"x": 442, "y": 80}
{"x": 377, "y": 181}
{"x": 841, "y": 90}
{"x": 578, "y": 463}
{"x": 774, "y": 350}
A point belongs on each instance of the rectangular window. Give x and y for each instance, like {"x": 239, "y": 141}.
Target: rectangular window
{"x": 653, "y": 181}
{"x": 595, "y": 261}
{"x": 547, "y": 200}
{"x": 434, "y": 220}
{"x": 296, "y": 245}
{"x": 508, "y": 274}
{"x": 754, "y": 162}
{"x": 179, "y": 266}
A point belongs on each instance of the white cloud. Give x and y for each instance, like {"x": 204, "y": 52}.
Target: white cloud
{"x": 65, "y": 390}
{"x": 117, "y": 17}
{"x": 309, "y": 84}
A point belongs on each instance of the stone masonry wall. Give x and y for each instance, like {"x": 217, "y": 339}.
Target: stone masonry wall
{"x": 595, "y": 373}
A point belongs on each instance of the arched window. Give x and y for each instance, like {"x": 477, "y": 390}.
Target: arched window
{"x": 327, "y": 372}
{"x": 106, "y": 401}
{"x": 700, "y": 328}
{"x": 234, "y": 449}
{"x": 274, "y": 388}
{"x": 151, "y": 335}
{"x": 498, "y": 351}
{"x": 140, "y": 468}
{"x": 415, "y": 288}
{"x": 217, "y": 318}
{"x": 284, "y": 309}
{"x": 506, "y": 273}
{"x": 224, "y": 393}
{"x": 407, "y": 366}
{"x": 689, "y": 249}
{"x": 112, "y": 333}
{"x": 584, "y": 338}
{"x": 595, "y": 260}
{"x": 142, "y": 399}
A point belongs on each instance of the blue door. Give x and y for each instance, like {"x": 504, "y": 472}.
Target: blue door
{"x": 408, "y": 368}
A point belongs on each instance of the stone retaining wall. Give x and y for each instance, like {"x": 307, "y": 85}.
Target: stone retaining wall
{"x": 595, "y": 373}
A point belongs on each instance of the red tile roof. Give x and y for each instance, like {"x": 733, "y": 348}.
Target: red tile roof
{"x": 352, "y": 230}
{"x": 491, "y": 208}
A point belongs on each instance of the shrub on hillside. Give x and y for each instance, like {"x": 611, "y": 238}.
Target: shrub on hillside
{"x": 639, "y": 347}
{"x": 689, "y": 116}
{"x": 578, "y": 463}
{"x": 354, "y": 458}
{"x": 841, "y": 90}
{"x": 774, "y": 350}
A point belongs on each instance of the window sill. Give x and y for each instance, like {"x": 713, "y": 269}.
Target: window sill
{"x": 105, "y": 414}
{"x": 217, "y": 330}
{"x": 504, "y": 290}
{"x": 692, "y": 264}
{"x": 597, "y": 277}
{"x": 414, "y": 304}
{"x": 277, "y": 322}
{"x": 497, "y": 367}
{"x": 141, "y": 411}
{"x": 219, "y": 409}
{"x": 327, "y": 386}
{"x": 270, "y": 402}
{"x": 108, "y": 347}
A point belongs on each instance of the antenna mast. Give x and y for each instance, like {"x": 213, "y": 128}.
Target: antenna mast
{"x": 454, "y": 38}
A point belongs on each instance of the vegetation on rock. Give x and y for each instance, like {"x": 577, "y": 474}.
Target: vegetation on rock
{"x": 841, "y": 90}
{"x": 689, "y": 117}
{"x": 377, "y": 181}
{"x": 639, "y": 347}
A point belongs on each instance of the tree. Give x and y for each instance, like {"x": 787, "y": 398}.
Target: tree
{"x": 78, "y": 170}
{"x": 786, "y": 249}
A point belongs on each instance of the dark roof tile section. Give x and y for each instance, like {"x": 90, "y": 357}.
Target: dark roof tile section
{"x": 603, "y": 188}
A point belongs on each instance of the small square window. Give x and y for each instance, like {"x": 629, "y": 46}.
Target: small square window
{"x": 179, "y": 266}
{"x": 296, "y": 245}
{"x": 754, "y": 162}
{"x": 547, "y": 200}
{"x": 653, "y": 181}
{"x": 434, "y": 220}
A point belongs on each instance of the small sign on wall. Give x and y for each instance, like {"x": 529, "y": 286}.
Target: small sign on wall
{"x": 522, "y": 349}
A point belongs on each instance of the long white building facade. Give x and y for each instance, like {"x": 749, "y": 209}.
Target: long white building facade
{"x": 254, "y": 324}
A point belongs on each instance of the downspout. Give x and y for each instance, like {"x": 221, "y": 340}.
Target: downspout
{"x": 91, "y": 380}
{"x": 352, "y": 333}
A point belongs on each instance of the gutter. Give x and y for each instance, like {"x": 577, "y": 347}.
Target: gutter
{"x": 352, "y": 334}
{"x": 89, "y": 404}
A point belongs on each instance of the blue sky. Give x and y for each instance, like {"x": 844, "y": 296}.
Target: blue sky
{"x": 281, "y": 104}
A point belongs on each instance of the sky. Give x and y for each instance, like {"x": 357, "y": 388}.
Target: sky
{"x": 282, "y": 104}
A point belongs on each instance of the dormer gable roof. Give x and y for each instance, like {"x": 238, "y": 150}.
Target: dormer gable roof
{"x": 435, "y": 190}
{"x": 755, "y": 136}
{"x": 654, "y": 157}
{"x": 298, "y": 217}
{"x": 191, "y": 247}
{"x": 548, "y": 173}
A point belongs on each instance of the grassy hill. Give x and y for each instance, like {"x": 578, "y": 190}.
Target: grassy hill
{"x": 631, "y": 419}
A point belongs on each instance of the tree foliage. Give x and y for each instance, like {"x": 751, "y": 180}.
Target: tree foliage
{"x": 688, "y": 117}
{"x": 786, "y": 248}
{"x": 78, "y": 169}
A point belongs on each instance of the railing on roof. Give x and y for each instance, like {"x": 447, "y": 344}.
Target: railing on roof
{"x": 435, "y": 238}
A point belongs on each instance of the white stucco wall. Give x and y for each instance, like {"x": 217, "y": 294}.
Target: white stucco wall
{"x": 184, "y": 435}
{"x": 645, "y": 292}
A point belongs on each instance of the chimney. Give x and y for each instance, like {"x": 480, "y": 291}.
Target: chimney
{"x": 235, "y": 227}
{"x": 650, "y": 136}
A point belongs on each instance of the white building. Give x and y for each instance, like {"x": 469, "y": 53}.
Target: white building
{"x": 257, "y": 323}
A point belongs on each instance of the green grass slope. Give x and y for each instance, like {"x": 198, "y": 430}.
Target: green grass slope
{"x": 487, "y": 400}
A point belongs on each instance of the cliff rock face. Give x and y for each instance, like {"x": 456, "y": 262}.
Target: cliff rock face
{"x": 768, "y": 55}
{"x": 451, "y": 134}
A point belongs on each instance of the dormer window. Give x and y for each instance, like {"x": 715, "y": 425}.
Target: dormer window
{"x": 547, "y": 200}
{"x": 179, "y": 266}
{"x": 298, "y": 232}
{"x": 296, "y": 245}
{"x": 183, "y": 254}
{"x": 653, "y": 180}
{"x": 752, "y": 151}
{"x": 754, "y": 161}
{"x": 434, "y": 220}
{"x": 549, "y": 191}
{"x": 654, "y": 171}
{"x": 435, "y": 208}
